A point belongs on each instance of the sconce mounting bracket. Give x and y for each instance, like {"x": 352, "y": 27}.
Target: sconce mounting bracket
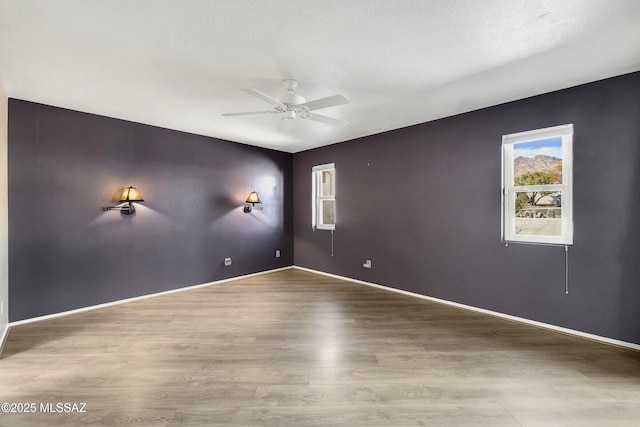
{"x": 127, "y": 209}
{"x": 249, "y": 208}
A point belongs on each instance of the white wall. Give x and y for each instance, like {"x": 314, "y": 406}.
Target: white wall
{"x": 4, "y": 222}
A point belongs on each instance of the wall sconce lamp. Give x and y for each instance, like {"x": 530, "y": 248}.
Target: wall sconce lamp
{"x": 129, "y": 195}
{"x": 253, "y": 199}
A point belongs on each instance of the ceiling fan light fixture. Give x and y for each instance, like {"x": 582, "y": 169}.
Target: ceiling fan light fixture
{"x": 292, "y": 106}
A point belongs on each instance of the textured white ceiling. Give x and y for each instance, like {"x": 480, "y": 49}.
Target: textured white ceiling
{"x": 179, "y": 64}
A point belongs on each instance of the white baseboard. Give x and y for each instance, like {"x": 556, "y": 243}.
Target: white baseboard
{"x": 484, "y": 311}
{"x": 142, "y": 297}
{"x": 3, "y": 337}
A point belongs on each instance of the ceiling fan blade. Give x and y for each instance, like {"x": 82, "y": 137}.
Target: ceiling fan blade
{"x": 250, "y": 113}
{"x": 328, "y": 120}
{"x": 262, "y": 96}
{"x": 285, "y": 124}
{"x": 330, "y": 101}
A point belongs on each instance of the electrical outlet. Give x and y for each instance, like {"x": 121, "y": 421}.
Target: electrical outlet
{"x": 227, "y": 262}
{"x": 367, "y": 264}
{"x": 278, "y": 253}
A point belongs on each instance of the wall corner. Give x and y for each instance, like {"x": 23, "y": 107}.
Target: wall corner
{"x": 4, "y": 217}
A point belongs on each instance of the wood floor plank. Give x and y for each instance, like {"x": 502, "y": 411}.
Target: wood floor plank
{"x": 531, "y": 391}
{"x": 400, "y": 415}
{"x": 591, "y": 414}
{"x": 296, "y": 348}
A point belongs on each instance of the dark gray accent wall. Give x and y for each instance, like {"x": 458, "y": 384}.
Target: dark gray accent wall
{"x": 66, "y": 253}
{"x": 423, "y": 203}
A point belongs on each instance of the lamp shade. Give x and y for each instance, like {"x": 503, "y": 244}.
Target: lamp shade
{"x": 131, "y": 194}
{"x": 253, "y": 198}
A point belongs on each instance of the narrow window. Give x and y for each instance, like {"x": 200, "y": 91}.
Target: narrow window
{"x": 537, "y": 191}
{"x": 324, "y": 197}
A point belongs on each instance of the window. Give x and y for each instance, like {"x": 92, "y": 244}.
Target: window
{"x": 537, "y": 199}
{"x": 324, "y": 197}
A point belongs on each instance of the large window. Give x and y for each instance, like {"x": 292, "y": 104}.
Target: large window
{"x": 324, "y": 197}
{"x": 537, "y": 186}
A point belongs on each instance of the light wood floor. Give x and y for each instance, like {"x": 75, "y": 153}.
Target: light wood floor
{"x": 294, "y": 349}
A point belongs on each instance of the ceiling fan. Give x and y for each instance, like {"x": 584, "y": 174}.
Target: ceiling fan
{"x": 292, "y": 106}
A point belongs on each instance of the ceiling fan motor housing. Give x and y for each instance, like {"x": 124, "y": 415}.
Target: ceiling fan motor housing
{"x": 291, "y": 99}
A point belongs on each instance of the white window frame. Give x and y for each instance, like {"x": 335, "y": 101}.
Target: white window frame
{"x": 317, "y": 197}
{"x": 509, "y": 189}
